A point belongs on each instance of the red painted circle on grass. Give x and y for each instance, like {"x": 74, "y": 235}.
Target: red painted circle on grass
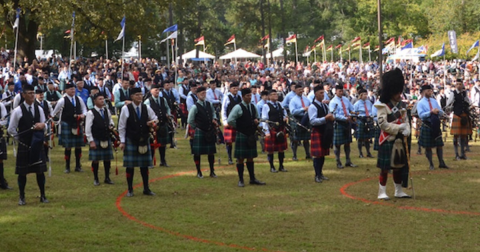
{"x": 344, "y": 188}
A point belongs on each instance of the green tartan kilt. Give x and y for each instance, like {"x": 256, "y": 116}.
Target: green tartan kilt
{"x": 162, "y": 135}
{"x": 299, "y": 133}
{"x": 100, "y": 153}
{"x": 132, "y": 158}
{"x": 377, "y": 137}
{"x": 200, "y": 146}
{"x": 69, "y": 140}
{"x": 241, "y": 147}
{"x": 426, "y": 140}
{"x": 360, "y": 133}
{"x": 385, "y": 155}
{"x": 342, "y": 134}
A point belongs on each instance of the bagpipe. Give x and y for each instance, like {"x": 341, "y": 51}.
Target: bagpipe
{"x": 8, "y": 98}
{"x": 154, "y": 144}
{"x": 115, "y": 138}
{"x": 280, "y": 128}
{"x": 295, "y": 121}
{"x": 78, "y": 125}
{"x": 219, "y": 134}
{"x": 368, "y": 123}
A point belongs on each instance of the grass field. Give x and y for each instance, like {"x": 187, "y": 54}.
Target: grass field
{"x": 290, "y": 213}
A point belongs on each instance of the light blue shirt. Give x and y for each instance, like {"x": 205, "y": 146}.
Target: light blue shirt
{"x": 119, "y": 104}
{"x": 211, "y": 98}
{"x": 288, "y": 98}
{"x": 336, "y": 108}
{"x": 296, "y": 107}
{"x": 312, "y": 114}
{"x": 311, "y": 96}
{"x": 174, "y": 92}
{"x": 190, "y": 100}
{"x": 374, "y": 111}
{"x": 260, "y": 106}
{"x": 423, "y": 108}
{"x": 359, "y": 108}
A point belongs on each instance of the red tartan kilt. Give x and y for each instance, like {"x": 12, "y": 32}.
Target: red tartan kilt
{"x": 191, "y": 131}
{"x": 229, "y": 134}
{"x": 316, "y": 144}
{"x": 271, "y": 146}
{"x": 183, "y": 109}
{"x": 457, "y": 128}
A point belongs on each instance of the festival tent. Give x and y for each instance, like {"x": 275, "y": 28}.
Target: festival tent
{"x": 277, "y": 53}
{"x": 239, "y": 54}
{"x": 201, "y": 55}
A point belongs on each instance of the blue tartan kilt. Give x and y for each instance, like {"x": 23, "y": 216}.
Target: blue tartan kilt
{"x": 132, "y": 158}
{"x": 342, "y": 134}
{"x": 100, "y": 153}
{"x": 316, "y": 148}
{"x": 200, "y": 146}
{"x": 241, "y": 147}
{"x": 298, "y": 133}
{"x": 426, "y": 140}
{"x": 377, "y": 137}
{"x": 69, "y": 140}
{"x": 360, "y": 133}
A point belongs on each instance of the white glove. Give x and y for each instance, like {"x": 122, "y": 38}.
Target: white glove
{"x": 403, "y": 127}
{"x": 406, "y": 132}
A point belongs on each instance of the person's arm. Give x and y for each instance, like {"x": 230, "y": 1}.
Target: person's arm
{"x": 151, "y": 114}
{"x": 295, "y": 108}
{"x": 122, "y": 123}
{"x": 225, "y": 103}
{"x": 236, "y": 113}
{"x": 391, "y": 128}
{"x": 88, "y": 126}
{"x": 13, "y": 125}
{"x": 191, "y": 116}
{"x": 60, "y": 104}
{"x": 84, "y": 107}
{"x": 89, "y": 103}
{"x": 3, "y": 110}
{"x": 118, "y": 103}
{"x": 265, "y": 126}
{"x": 312, "y": 115}
{"x": 451, "y": 99}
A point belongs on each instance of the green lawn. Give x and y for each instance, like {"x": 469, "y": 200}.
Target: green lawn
{"x": 290, "y": 213}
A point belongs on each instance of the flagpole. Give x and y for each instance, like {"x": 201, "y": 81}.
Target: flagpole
{"x": 361, "y": 60}
{"x": 369, "y": 56}
{"x": 173, "y": 54}
{"x": 72, "y": 30}
{"x": 168, "y": 53}
{"x": 16, "y": 43}
{"x": 349, "y": 50}
{"x": 296, "y": 51}
{"x": 315, "y": 53}
{"x": 235, "y": 48}
{"x": 331, "y": 54}
{"x": 123, "y": 48}
{"x": 176, "y": 59}
{"x": 204, "y": 60}
{"x": 106, "y": 48}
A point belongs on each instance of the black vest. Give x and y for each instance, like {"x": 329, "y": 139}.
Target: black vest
{"x": 100, "y": 126}
{"x": 185, "y": 92}
{"x": 159, "y": 109}
{"x": 245, "y": 123}
{"x": 232, "y": 103}
{"x": 52, "y": 96}
{"x": 122, "y": 95}
{"x": 204, "y": 116}
{"x": 320, "y": 113}
{"x": 443, "y": 101}
{"x": 137, "y": 129}
{"x": 459, "y": 103}
{"x": 275, "y": 114}
{"x": 26, "y": 122}
{"x": 46, "y": 109}
{"x": 103, "y": 92}
{"x": 170, "y": 99}
{"x": 69, "y": 111}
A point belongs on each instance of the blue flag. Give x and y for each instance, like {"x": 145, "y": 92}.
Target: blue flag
{"x": 440, "y": 52}
{"x": 409, "y": 45}
{"x": 171, "y": 29}
{"x": 473, "y": 46}
{"x": 122, "y": 32}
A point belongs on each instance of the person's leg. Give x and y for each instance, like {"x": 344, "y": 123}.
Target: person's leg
{"x": 211, "y": 162}
{"x": 68, "y": 154}
{"x": 95, "y": 173}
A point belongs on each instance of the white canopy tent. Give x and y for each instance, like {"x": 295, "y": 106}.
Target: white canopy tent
{"x": 239, "y": 54}
{"x": 408, "y": 54}
{"x": 192, "y": 55}
{"x": 277, "y": 53}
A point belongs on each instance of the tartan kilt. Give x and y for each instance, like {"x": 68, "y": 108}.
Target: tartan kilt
{"x": 342, "y": 134}
{"x": 229, "y": 134}
{"x": 377, "y": 137}
{"x": 241, "y": 147}
{"x": 131, "y": 157}
{"x": 426, "y": 140}
{"x": 165, "y": 139}
{"x": 270, "y": 143}
{"x": 3, "y": 149}
{"x": 23, "y": 166}
{"x": 360, "y": 133}
{"x": 385, "y": 155}
{"x": 100, "y": 153}
{"x": 458, "y": 129}
{"x": 190, "y": 131}
{"x": 418, "y": 124}
{"x": 298, "y": 133}
{"x": 69, "y": 140}
{"x": 316, "y": 144}
{"x": 200, "y": 146}
{"x": 183, "y": 109}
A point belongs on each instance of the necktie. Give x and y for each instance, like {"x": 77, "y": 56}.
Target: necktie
{"x": 214, "y": 95}
{"x": 256, "y": 101}
{"x": 73, "y": 101}
{"x": 303, "y": 104}
{"x": 366, "y": 109}
{"x": 30, "y": 110}
{"x": 344, "y": 108}
{"x": 430, "y": 104}
{"x": 125, "y": 93}
{"x": 138, "y": 112}
{"x": 101, "y": 113}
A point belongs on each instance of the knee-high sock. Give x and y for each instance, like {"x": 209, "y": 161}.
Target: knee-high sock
{"x": 463, "y": 143}
{"x": 337, "y": 153}
{"x": 419, "y": 149}
{"x": 22, "y": 182}
{"x": 196, "y": 159}
{"x": 229, "y": 151}
{"x": 41, "y": 183}
{"x": 251, "y": 170}
{"x": 2, "y": 176}
{"x": 162, "y": 154}
{"x": 270, "y": 160}
{"x": 316, "y": 166}
{"x": 46, "y": 153}
{"x": 240, "y": 168}
{"x": 367, "y": 147}
{"x": 405, "y": 175}
{"x": 347, "y": 152}
{"x": 359, "y": 146}
{"x": 294, "y": 148}
{"x": 397, "y": 176}
{"x": 144, "y": 172}
{"x": 262, "y": 143}
{"x": 107, "y": 165}
{"x": 321, "y": 162}
{"x": 429, "y": 154}
{"x": 68, "y": 154}
{"x": 281, "y": 157}
{"x": 211, "y": 161}
{"x": 129, "y": 173}
{"x": 306, "y": 145}
{"x": 78, "y": 155}
{"x": 95, "y": 170}
{"x": 191, "y": 144}
{"x": 455, "y": 145}
{"x": 440, "y": 155}
{"x": 382, "y": 179}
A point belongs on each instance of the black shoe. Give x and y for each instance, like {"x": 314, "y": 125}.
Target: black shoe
{"x": 282, "y": 169}
{"x": 5, "y": 186}
{"x": 308, "y": 157}
{"x": 419, "y": 153}
{"x": 323, "y": 177}
{"x": 241, "y": 184}
{"x": 172, "y": 146}
{"x": 95, "y": 182}
{"x": 78, "y": 169}
{"x": 213, "y": 175}
{"x": 199, "y": 175}
{"x": 350, "y": 164}
{"x": 164, "y": 163}
{"x": 257, "y": 182}
{"x": 149, "y": 193}
{"x": 431, "y": 168}
{"x": 108, "y": 181}
{"x": 369, "y": 155}
{"x": 21, "y": 202}
{"x": 67, "y": 171}
{"x": 230, "y": 162}
{"x": 294, "y": 158}
{"x": 463, "y": 157}
{"x": 443, "y": 166}
{"x": 44, "y": 199}
{"x": 468, "y": 149}
{"x": 456, "y": 158}
{"x": 130, "y": 193}
{"x": 360, "y": 156}
{"x": 339, "y": 165}
{"x": 272, "y": 170}
{"x": 318, "y": 180}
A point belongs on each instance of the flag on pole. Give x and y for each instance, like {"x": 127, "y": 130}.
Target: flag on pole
{"x": 347, "y": 49}
{"x": 292, "y": 39}
{"x": 17, "y": 20}
{"x": 330, "y": 48}
{"x": 67, "y": 32}
{"x": 122, "y": 32}
{"x": 366, "y": 45}
{"x": 171, "y": 28}
{"x": 356, "y": 45}
{"x": 267, "y": 45}
{"x": 385, "y": 50}
{"x": 200, "y": 41}
{"x": 321, "y": 38}
{"x": 423, "y": 49}
{"x": 473, "y": 46}
{"x": 231, "y": 40}
{"x": 409, "y": 45}
{"x": 390, "y": 43}
{"x": 440, "y": 52}
{"x": 338, "y": 46}
{"x": 356, "y": 39}
{"x": 376, "y": 48}
{"x": 172, "y": 36}
{"x": 266, "y": 37}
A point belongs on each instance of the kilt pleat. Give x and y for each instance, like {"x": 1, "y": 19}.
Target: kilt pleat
{"x": 100, "y": 153}
{"x": 200, "y": 146}
{"x": 162, "y": 135}
{"x": 229, "y": 134}
{"x": 132, "y": 158}
{"x": 242, "y": 150}
{"x": 23, "y": 166}
{"x": 299, "y": 133}
{"x": 271, "y": 144}
{"x": 426, "y": 140}
{"x": 377, "y": 137}
{"x": 457, "y": 128}
{"x": 360, "y": 133}
{"x": 316, "y": 144}
{"x": 342, "y": 134}
{"x": 69, "y": 140}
